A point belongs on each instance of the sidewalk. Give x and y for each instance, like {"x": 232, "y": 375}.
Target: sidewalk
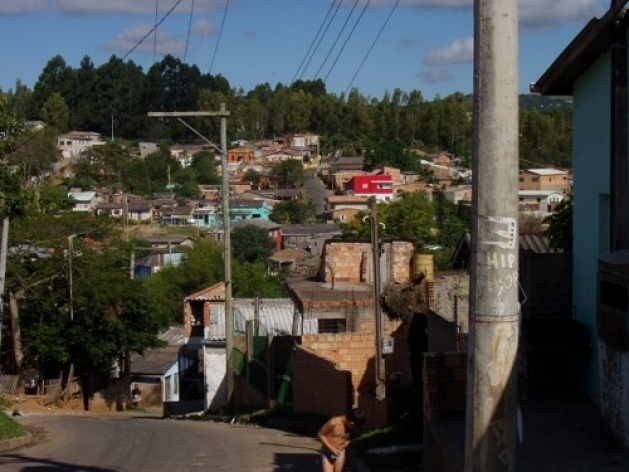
{"x": 560, "y": 433}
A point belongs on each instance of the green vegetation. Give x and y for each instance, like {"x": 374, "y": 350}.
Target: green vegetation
{"x": 9, "y": 428}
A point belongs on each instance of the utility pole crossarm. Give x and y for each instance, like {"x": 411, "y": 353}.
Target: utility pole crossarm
{"x": 176, "y": 114}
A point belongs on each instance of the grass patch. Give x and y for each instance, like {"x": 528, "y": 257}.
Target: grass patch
{"x": 9, "y": 428}
{"x": 404, "y": 432}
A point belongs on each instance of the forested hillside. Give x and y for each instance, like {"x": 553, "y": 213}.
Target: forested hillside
{"x": 114, "y": 99}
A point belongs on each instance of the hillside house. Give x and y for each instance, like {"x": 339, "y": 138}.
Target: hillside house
{"x": 542, "y": 202}
{"x": 84, "y": 202}
{"x": 74, "y": 143}
{"x": 544, "y": 179}
{"x": 379, "y": 186}
{"x": 240, "y": 155}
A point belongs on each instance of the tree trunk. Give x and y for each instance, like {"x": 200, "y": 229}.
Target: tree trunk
{"x": 15, "y": 331}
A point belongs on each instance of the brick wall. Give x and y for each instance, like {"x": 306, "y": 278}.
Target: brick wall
{"x": 319, "y": 386}
{"x": 445, "y": 384}
{"x": 347, "y": 261}
{"x": 316, "y": 375}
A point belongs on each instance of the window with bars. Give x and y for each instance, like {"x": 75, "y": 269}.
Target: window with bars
{"x": 332, "y": 325}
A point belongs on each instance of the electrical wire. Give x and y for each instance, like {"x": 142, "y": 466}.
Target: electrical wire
{"x": 313, "y": 40}
{"x": 347, "y": 40}
{"x": 321, "y": 37}
{"x": 336, "y": 40}
{"x": 166, "y": 15}
{"x": 155, "y": 35}
{"x": 220, "y": 33}
{"x": 189, "y": 28}
{"x": 362, "y": 63}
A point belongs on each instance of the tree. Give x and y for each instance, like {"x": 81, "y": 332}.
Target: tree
{"x": 251, "y": 244}
{"x": 288, "y": 174}
{"x": 204, "y": 166}
{"x": 294, "y": 212}
{"x": 35, "y": 154}
{"x": 410, "y": 217}
{"x": 559, "y": 232}
{"x": 56, "y": 113}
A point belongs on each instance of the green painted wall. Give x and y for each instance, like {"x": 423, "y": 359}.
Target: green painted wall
{"x": 591, "y": 164}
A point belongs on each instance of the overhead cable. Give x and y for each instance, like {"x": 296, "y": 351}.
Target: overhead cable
{"x": 185, "y": 53}
{"x": 313, "y": 40}
{"x": 336, "y": 40}
{"x": 321, "y": 37}
{"x": 362, "y": 63}
{"x": 220, "y": 33}
{"x": 152, "y": 29}
{"x": 347, "y": 40}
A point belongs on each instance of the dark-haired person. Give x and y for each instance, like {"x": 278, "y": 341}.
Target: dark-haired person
{"x": 335, "y": 437}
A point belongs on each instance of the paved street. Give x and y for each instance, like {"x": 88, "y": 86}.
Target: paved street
{"x": 122, "y": 442}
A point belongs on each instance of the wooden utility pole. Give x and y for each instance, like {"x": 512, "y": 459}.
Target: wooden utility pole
{"x": 491, "y": 429}
{"x": 229, "y": 302}
{"x": 375, "y": 250}
{"x": 4, "y": 247}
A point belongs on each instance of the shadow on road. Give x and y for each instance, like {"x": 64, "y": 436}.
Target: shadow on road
{"x": 301, "y": 462}
{"x": 45, "y": 465}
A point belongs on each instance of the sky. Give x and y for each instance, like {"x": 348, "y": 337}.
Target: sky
{"x": 373, "y": 45}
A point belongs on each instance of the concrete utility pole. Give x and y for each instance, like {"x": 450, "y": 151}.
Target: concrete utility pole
{"x": 491, "y": 429}
{"x": 229, "y": 303}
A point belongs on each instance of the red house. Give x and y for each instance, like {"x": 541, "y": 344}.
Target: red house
{"x": 379, "y": 186}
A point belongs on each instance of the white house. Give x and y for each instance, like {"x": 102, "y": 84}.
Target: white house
{"x": 72, "y": 144}
{"x": 84, "y": 201}
{"x": 543, "y": 201}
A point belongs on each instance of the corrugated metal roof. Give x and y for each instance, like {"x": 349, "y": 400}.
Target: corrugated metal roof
{"x": 154, "y": 361}
{"x": 276, "y": 317}
{"x": 174, "y": 336}
{"x": 534, "y": 243}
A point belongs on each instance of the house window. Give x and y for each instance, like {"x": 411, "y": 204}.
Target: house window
{"x": 332, "y": 325}
{"x": 535, "y": 179}
{"x": 214, "y": 315}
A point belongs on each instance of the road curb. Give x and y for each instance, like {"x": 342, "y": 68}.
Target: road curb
{"x": 14, "y": 443}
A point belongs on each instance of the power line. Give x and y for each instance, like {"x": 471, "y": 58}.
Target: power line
{"x": 152, "y": 29}
{"x": 336, "y": 40}
{"x": 189, "y": 28}
{"x": 347, "y": 39}
{"x": 313, "y": 40}
{"x": 155, "y": 35}
{"x": 362, "y": 63}
{"x": 220, "y": 33}
{"x": 321, "y": 37}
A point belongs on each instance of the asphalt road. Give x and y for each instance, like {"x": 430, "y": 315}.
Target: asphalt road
{"x": 315, "y": 189}
{"x": 109, "y": 442}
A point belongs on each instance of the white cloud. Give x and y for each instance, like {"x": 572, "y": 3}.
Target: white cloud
{"x": 103, "y": 6}
{"x": 434, "y": 75}
{"x": 167, "y": 43}
{"x": 204, "y": 28}
{"x": 459, "y": 51}
{"x": 535, "y": 14}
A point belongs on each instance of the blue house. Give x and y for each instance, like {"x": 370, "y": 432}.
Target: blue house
{"x": 245, "y": 209}
{"x": 594, "y": 70}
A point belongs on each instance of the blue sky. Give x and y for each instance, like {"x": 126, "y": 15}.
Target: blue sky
{"x": 421, "y": 45}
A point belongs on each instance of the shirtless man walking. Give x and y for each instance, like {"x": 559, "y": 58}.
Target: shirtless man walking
{"x": 335, "y": 438}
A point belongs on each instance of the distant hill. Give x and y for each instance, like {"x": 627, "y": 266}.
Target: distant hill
{"x": 532, "y": 101}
